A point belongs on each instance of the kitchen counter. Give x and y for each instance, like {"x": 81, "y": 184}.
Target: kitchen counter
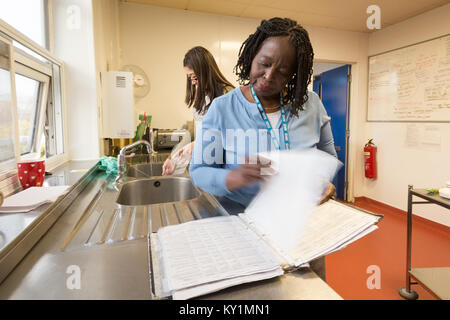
{"x": 107, "y": 246}
{"x": 11, "y": 225}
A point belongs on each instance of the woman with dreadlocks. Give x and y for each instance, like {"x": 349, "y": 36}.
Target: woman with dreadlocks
{"x": 274, "y": 69}
{"x": 204, "y": 82}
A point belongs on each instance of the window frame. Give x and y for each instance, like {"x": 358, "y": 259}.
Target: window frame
{"x": 42, "y": 103}
{"x": 19, "y": 57}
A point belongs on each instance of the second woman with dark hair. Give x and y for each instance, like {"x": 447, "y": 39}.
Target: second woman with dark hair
{"x": 204, "y": 83}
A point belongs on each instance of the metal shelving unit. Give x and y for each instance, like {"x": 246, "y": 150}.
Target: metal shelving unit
{"x": 434, "y": 280}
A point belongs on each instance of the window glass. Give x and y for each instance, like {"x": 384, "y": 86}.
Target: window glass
{"x": 28, "y": 17}
{"x": 6, "y": 116}
{"x": 27, "y": 93}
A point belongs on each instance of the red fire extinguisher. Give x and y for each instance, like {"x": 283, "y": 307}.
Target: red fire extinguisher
{"x": 370, "y": 160}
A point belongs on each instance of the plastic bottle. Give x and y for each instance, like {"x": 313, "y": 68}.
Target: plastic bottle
{"x": 140, "y": 130}
{"x": 146, "y": 135}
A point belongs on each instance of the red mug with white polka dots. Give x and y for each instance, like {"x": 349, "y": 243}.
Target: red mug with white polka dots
{"x": 31, "y": 173}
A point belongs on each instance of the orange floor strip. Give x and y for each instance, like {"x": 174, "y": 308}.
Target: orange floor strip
{"x": 348, "y": 270}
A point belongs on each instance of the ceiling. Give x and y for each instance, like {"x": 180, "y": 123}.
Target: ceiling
{"x": 347, "y": 15}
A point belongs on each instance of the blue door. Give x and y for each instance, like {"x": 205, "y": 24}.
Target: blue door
{"x": 333, "y": 87}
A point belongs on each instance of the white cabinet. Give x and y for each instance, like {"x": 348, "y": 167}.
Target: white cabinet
{"x": 117, "y": 105}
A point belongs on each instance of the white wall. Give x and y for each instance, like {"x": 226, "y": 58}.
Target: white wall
{"x": 73, "y": 44}
{"x": 399, "y": 165}
{"x": 107, "y": 47}
{"x": 156, "y": 39}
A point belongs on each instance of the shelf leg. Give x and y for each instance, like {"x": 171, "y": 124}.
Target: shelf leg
{"x": 407, "y": 293}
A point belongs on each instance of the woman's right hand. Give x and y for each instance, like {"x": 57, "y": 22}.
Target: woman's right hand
{"x": 168, "y": 167}
{"x": 247, "y": 174}
{"x": 186, "y": 151}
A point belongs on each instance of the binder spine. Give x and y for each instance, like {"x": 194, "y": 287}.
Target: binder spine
{"x": 287, "y": 262}
{"x": 156, "y": 276}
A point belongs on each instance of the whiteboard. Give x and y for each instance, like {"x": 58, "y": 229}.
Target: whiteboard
{"x": 411, "y": 83}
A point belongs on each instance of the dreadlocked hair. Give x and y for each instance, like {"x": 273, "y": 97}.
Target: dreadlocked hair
{"x": 211, "y": 82}
{"x": 295, "y": 91}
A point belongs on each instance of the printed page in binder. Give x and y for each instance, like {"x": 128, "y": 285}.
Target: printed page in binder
{"x": 208, "y": 250}
{"x": 331, "y": 226}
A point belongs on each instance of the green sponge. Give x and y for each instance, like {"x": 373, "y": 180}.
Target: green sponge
{"x": 109, "y": 164}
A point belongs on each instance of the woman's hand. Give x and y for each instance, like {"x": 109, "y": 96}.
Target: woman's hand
{"x": 186, "y": 150}
{"x": 330, "y": 193}
{"x": 245, "y": 175}
{"x": 168, "y": 167}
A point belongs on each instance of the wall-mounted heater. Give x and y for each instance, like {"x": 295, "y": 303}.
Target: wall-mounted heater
{"x": 117, "y": 106}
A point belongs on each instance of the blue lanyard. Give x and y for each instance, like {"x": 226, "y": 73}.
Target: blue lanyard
{"x": 267, "y": 122}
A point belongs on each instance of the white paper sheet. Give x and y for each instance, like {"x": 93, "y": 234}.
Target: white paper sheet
{"x": 286, "y": 201}
{"x": 31, "y": 199}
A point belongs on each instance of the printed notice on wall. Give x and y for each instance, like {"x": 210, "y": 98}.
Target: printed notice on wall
{"x": 412, "y": 136}
{"x": 423, "y": 137}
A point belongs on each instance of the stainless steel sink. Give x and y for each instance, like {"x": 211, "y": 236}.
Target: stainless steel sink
{"x": 155, "y": 157}
{"x": 156, "y": 190}
{"x": 145, "y": 170}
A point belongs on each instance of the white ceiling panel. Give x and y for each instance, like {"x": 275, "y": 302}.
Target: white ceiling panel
{"x": 337, "y": 14}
